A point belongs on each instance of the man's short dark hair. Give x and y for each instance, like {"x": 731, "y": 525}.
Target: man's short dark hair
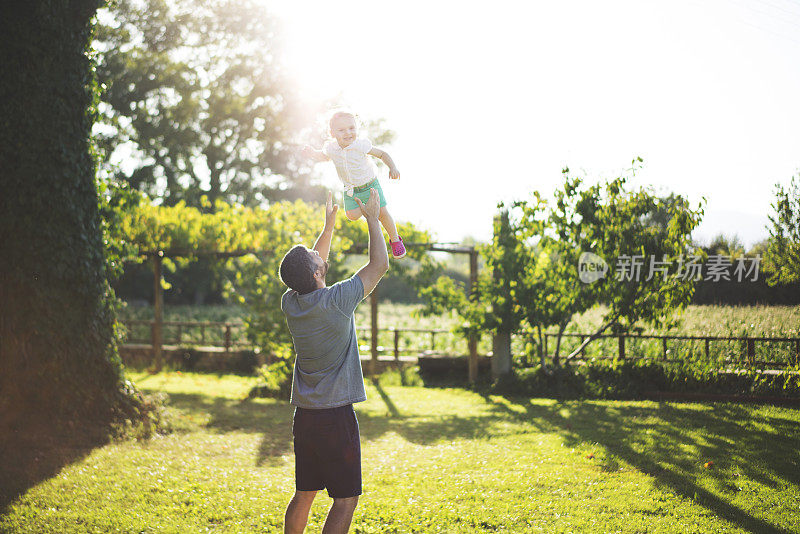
{"x": 297, "y": 270}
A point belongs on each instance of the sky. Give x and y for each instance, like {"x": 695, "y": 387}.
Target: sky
{"x": 491, "y": 100}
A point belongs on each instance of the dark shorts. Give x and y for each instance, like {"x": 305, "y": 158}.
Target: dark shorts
{"x": 327, "y": 451}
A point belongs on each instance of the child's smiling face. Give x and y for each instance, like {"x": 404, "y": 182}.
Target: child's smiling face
{"x": 344, "y": 130}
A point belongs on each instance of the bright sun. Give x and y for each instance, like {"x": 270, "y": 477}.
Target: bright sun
{"x": 325, "y": 57}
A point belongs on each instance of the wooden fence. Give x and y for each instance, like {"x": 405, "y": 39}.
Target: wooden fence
{"x": 748, "y": 351}
{"x": 225, "y": 340}
{"x": 178, "y": 332}
{"x": 397, "y": 333}
{"x": 229, "y": 336}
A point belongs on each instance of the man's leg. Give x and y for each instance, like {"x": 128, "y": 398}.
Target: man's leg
{"x": 296, "y": 516}
{"x": 340, "y": 515}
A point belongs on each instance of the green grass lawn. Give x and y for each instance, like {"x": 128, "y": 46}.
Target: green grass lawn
{"x": 438, "y": 460}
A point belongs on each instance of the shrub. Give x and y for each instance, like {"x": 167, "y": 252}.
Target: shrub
{"x": 405, "y": 376}
{"x": 275, "y": 378}
{"x": 638, "y": 379}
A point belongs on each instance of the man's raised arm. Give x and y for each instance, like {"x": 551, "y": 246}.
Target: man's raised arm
{"x": 323, "y": 242}
{"x": 373, "y": 271}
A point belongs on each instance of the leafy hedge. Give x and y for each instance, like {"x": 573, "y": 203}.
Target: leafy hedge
{"x": 57, "y": 322}
{"x": 637, "y": 379}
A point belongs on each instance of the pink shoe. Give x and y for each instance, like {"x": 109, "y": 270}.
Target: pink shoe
{"x": 398, "y": 249}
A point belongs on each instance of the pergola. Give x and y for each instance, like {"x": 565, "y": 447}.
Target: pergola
{"x": 158, "y": 299}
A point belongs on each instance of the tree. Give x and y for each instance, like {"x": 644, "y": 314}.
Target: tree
{"x": 59, "y": 363}
{"x": 551, "y": 292}
{"x": 732, "y": 247}
{"x": 195, "y": 104}
{"x": 615, "y": 223}
{"x": 783, "y": 250}
{"x": 535, "y": 255}
{"x": 195, "y": 97}
{"x": 506, "y": 258}
{"x": 539, "y": 279}
{"x": 494, "y": 304}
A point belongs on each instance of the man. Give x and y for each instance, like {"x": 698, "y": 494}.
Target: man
{"x": 327, "y": 376}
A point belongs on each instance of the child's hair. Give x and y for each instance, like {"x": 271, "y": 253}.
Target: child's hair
{"x": 340, "y": 112}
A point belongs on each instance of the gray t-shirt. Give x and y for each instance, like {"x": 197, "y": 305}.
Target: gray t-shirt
{"x": 327, "y": 370}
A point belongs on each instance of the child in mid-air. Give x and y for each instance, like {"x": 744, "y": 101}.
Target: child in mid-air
{"x": 357, "y": 172}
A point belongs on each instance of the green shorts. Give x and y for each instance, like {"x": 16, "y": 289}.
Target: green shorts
{"x": 362, "y": 193}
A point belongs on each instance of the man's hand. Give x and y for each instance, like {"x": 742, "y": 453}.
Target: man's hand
{"x": 330, "y": 212}
{"x": 394, "y": 174}
{"x": 372, "y": 208}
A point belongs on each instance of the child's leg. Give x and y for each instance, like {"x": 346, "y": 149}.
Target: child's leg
{"x": 388, "y": 223}
{"x": 352, "y": 210}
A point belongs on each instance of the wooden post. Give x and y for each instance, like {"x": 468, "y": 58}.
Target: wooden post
{"x": 707, "y": 349}
{"x": 433, "y": 341}
{"x": 396, "y": 344}
{"x": 797, "y": 352}
{"x": 472, "y": 364}
{"x": 227, "y": 338}
{"x": 664, "y": 346}
{"x": 545, "y": 346}
{"x": 373, "y": 306}
{"x": 621, "y": 345}
{"x": 501, "y": 338}
{"x": 751, "y": 351}
{"x": 158, "y": 304}
{"x": 472, "y": 340}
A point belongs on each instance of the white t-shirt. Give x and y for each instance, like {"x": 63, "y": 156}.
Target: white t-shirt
{"x": 354, "y": 166}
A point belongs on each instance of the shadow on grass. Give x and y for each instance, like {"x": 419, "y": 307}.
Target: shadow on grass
{"x": 28, "y": 458}
{"x": 671, "y": 444}
{"x": 385, "y": 398}
{"x": 272, "y": 420}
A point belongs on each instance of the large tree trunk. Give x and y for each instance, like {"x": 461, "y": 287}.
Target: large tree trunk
{"x": 559, "y": 337}
{"x": 501, "y": 354}
{"x": 58, "y": 356}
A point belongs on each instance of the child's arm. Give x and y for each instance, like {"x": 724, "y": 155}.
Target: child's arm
{"x": 316, "y": 155}
{"x": 394, "y": 174}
